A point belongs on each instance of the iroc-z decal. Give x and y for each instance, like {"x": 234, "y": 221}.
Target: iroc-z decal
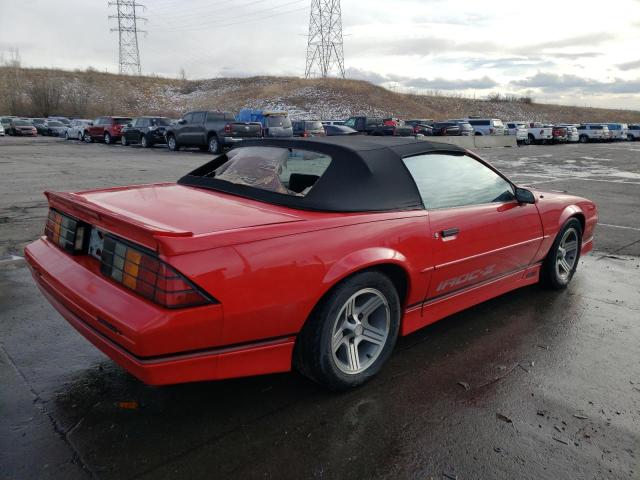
{"x": 466, "y": 277}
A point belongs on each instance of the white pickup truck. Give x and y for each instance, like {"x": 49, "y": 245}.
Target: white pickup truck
{"x": 538, "y": 133}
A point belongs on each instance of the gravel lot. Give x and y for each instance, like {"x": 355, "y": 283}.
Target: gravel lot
{"x": 553, "y": 377}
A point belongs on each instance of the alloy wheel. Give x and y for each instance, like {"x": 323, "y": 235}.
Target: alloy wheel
{"x": 567, "y": 254}
{"x": 360, "y": 331}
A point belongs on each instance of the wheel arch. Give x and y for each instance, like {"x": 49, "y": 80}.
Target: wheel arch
{"x": 387, "y": 261}
{"x": 572, "y": 211}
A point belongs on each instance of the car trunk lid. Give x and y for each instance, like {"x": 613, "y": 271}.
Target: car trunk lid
{"x": 144, "y": 213}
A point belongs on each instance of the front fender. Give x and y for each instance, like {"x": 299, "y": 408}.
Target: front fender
{"x": 567, "y": 213}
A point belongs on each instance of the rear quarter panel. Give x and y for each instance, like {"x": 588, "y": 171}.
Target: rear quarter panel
{"x": 268, "y": 288}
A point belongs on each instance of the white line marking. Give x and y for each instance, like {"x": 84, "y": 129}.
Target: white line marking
{"x": 12, "y": 258}
{"x": 618, "y": 226}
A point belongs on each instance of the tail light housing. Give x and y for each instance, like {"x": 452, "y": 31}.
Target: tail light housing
{"x": 68, "y": 233}
{"x": 227, "y": 128}
{"x": 148, "y": 276}
{"x": 305, "y": 134}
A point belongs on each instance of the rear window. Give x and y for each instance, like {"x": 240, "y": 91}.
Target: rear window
{"x": 498, "y": 123}
{"x": 314, "y": 125}
{"x": 596, "y": 127}
{"x": 278, "y": 121}
{"x": 288, "y": 171}
{"x": 479, "y": 122}
{"x": 121, "y": 121}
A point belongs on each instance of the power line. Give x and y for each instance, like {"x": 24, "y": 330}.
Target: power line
{"x": 325, "y": 48}
{"x": 258, "y": 14}
{"x": 128, "y": 52}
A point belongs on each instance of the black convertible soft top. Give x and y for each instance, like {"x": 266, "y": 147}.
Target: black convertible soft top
{"x": 366, "y": 174}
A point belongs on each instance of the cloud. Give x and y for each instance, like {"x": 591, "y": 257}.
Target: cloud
{"x": 554, "y": 83}
{"x": 629, "y": 65}
{"x": 437, "y": 83}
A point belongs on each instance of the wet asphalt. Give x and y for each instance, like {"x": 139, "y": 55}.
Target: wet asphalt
{"x": 531, "y": 385}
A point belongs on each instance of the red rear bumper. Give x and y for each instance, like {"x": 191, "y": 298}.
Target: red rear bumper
{"x": 157, "y": 345}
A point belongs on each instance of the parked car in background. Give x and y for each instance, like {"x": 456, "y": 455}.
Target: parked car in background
{"x": 538, "y": 133}
{"x": 147, "y": 131}
{"x": 39, "y": 123}
{"x": 378, "y": 126}
{"x": 593, "y": 132}
{"x": 335, "y": 130}
{"x": 518, "y": 129}
{"x": 105, "y": 129}
{"x": 423, "y": 129}
{"x": 212, "y": 131}
{"x": 63, "y": 120}
{"x": 1, "y": 130}
{"x": 486, "y": 126}
{"x": 618, "y": 131}
{"x": 452, "y": 128}
{"x": 274, "y": 124}
{"x": 572, "y": 132}
{"x": 392, "y": 126}
{"x": 332, "y": 122}
{"x": 54, "y": 128}
{"x": 308, "y": 128}
{"x": 419, "y": 121}
{"x": 633, "y": 133}
{"x": 19, "y": 127}
{"x": 559, "y": 134}
{"x": 5, "y": 121}
{"x": 76, "y": 129}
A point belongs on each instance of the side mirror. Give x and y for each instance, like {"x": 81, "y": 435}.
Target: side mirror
{"x": 524, "y": 196}
{"x": 182, "y": 121}
{"x": 90, "y": 124}
{"x": 129, "y": 125}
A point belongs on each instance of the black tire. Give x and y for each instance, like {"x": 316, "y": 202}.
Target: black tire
{"x": 172, "y": 143}
{"x": 144, "y": 142}
{"x": 66, "y": 135}
{"x": 530, "y": 140}
{"x": 107, "y": 138}
{"x": 86, "y": 138}
{"x": 550, "y": 274}
{"x": 314, "y": 356}
{"x": 583, "y": 139}
{"x": 124, "y": 141}
{"x": 213, "y": 145}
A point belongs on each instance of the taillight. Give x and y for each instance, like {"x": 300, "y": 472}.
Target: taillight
{"x": 66, "y": 232}
{"x": 305, "y": 134}
{"x": 491, "y": 131}
{"x": 227, "y": 128}
{"x": 148, "y": 276}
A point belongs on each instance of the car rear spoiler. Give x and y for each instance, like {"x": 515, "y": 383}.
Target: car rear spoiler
{"x": 119, "y": 224}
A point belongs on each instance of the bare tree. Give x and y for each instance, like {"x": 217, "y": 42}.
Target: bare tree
{"x": 14, "y": 83}
{"x": 45, "y": 92}
{"x": 76, "y": 97}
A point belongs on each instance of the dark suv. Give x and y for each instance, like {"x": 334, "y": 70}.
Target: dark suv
{"x": 308, "y": 128}
{"x": 106, "y": 129}
{"x": 147, "y": 131}
{"x": 210, "y": 131}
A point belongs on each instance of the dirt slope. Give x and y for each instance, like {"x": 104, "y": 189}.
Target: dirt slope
{"x": 91, "y": 93}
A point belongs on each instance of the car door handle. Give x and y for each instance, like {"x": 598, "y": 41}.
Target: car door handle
{"x": 449, "y": 232}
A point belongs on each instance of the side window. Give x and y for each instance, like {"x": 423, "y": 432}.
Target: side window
{"x": 350, "y": 123}
{"x": 448, "y": 180}
{"x": 136, "y": 122}
{"x": 211, "y": 116}
{"x": 188, "y": 118}
{"x": 198, "y": 117}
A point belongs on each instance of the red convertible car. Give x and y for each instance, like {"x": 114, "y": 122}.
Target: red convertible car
{"x": 313, "y": 253}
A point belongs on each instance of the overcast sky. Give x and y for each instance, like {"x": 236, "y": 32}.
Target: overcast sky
{"x": 579, "y": 53}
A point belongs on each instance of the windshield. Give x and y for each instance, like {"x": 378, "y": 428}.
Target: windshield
{"x": 54, "y": 124}
{"x": 21, "y": 123}
{"x": 280, "y": 170}
{"x": 278, "y": 121}
{"x": 121, "y": 121}
{"x": 314, "y": 125}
